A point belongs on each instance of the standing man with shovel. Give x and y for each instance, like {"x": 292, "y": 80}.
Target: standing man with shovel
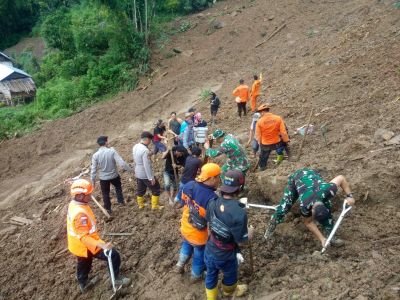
{"x": 314, "y": 195}
{"x": 83, "y": 239}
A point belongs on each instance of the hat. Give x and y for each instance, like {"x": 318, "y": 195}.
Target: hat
{"x": 102, "y": 140}
{"x": 207, "y": 171}
{"x": 321, "y": 212}
{"x": 256, "y": 116}
{"x": 218, "y": 133}
{"x": 146, "y": 135}
{"x": 264, "y": 106}
{"x": 232, "y": 182}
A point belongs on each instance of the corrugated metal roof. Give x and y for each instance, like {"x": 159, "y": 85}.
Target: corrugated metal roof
{"x": 6, "y": 71}
{"x": 6, "y": 56}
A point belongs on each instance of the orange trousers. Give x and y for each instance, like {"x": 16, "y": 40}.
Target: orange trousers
{"x": 253, "y": 103}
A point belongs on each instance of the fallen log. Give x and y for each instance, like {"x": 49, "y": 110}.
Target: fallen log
{"x": 271, "y": 36}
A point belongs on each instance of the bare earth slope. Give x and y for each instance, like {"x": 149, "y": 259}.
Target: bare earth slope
{"x": 339, "y": 57}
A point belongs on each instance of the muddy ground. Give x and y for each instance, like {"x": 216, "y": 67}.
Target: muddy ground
{"x": 340, "y": 58}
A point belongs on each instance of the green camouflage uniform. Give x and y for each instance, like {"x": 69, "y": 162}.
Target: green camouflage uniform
{"x": 237, "y": 158}
{"x": 309, "y": 187}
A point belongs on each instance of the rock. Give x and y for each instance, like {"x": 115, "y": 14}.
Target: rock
{"x": 190, "y": 296}
{"x": 187, "y": 53}
{"x": 234, "y": 14}
{"x": 217, "y": 24}
{"x": 361, "y": 297}
{"x": 394, "y": 141}
{"x": 381, "y": 135}
{"x": 270, "y": 18}
{"x": 177, "y": 50}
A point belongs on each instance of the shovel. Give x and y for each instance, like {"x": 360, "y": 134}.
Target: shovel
{"x": 248, "y": 205}
{"x": 108, "y": 253}
{"x": 345, "y": 209}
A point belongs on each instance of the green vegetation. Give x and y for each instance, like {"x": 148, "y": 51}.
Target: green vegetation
{"x": 95, "y": 49}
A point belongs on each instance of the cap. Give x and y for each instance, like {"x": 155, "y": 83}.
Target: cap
{"x": 146, "y": 135}
{"x": 256, "y": 116}
{"x": 207, "y": 171}
{"x": 321, "y": 213}
{"x": 218, "y": 133}
{"x": 102, "y": 140}
{"x": 232, "y": 182}
{"x": 264, "y": 106}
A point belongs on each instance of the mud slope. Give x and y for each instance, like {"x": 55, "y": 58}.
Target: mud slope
{"x": 340, "y": 58}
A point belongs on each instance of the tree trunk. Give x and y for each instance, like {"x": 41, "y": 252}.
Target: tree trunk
{"x": 146, "y": 28}
{"x": 135, "y": 15}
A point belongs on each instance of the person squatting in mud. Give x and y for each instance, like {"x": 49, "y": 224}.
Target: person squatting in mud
{"x": 314, "y": 195}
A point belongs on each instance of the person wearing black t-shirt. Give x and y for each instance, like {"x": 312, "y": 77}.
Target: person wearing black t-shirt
{"x": 158, "y": 137}
{"x": 192, "y": 167}
{"x": 227, "y": 221}
{"x": 179, "y": 154}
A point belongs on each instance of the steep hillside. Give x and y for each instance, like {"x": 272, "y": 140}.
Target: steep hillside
{"x": 340, "y": 58}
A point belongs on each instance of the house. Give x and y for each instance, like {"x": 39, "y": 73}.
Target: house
{"x": 16, "y": 86}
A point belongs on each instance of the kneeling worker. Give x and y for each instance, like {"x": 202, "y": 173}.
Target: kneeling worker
{"x": 227, "y": 220}
{"x": 83, "y": 240}
{"x": 315, "y": 196}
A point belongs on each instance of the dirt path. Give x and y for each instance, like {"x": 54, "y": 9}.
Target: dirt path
{"x": 339, "y": 57}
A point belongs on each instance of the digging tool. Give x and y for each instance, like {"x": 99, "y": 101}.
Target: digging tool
{"x": 345, "y": 210}
{"x": 108, "y": 254}
{"x": 248, "y": 205}
{"x": 101, "y": 207}
{"x": 305, "y": 134}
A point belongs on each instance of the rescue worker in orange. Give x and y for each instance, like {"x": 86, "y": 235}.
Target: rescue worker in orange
{"x": 196, "y": 196}
{"x": 270, "y": 133}
{"x": 255, "y": 92}
{"x": 83, "y": 239}
{"x": 241, "y": 93}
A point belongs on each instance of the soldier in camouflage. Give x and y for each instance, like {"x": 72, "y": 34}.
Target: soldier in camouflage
{"x": 314, "y": 195}
{"x": 230, "y": 146}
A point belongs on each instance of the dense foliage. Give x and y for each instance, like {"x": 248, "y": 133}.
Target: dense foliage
{"x": 94, "y": 48}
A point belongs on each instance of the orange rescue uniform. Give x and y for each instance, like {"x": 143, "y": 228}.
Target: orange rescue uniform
{"x": 255, "y": 92}
{"x": 81, "y": 230}
{"x": 191, "y": 234}
{"x": 270, "y": 129}
{"x": 242, "y": 91}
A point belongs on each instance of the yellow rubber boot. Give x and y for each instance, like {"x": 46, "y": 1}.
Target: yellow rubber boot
{"x": 212, "y": 294}
{"x": 154, "y": 203}
{"x": 279, "y": 158}
{"x": 237, "y": 290}
{"x": 140, "y": 202}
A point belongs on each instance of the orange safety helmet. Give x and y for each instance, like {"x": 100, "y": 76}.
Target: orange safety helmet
{"x": 207, "y": 171}
{"x": 81, "y": 186}
{"x": 264, "y": 106}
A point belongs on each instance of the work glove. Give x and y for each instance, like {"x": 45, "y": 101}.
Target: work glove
{"x": 240, "y": 258}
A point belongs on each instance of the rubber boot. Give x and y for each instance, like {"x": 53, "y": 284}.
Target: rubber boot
{"x": 212, "y": 294}
{"x": 237, "y": 290}
{"x": 279, "y": 158}
{"x": 154, "y": 203}
{"x": 140, "y": 202}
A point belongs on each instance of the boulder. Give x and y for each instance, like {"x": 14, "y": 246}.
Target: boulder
{"x": 217, "y": 24}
